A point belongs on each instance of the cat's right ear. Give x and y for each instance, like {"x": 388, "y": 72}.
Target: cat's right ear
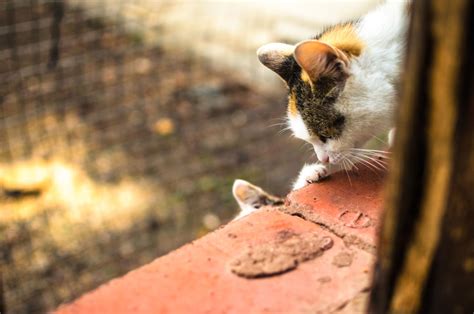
{"x": 320, "y": 59}
{"x": 278, "y": 58}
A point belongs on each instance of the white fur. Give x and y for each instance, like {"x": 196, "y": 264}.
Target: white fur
{"x": 246, "y": 208}
{"x": 298, "y": 127}
{"x": 310, "y": 173}
{"x": 369, "y": 97}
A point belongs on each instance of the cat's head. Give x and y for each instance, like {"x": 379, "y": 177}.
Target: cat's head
{"x": 327, "y": 104}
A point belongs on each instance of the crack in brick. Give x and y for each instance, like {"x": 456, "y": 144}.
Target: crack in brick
{"x": 305, "y": 212}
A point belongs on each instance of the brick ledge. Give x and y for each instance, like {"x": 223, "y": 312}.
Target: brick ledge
{"x": 198, "y": 277}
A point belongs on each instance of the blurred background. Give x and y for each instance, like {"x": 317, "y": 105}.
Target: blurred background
{"x": 123, "y": 124}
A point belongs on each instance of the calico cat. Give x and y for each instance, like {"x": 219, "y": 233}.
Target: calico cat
{"x": 342, "y": 88}
{"x": 251, "y": 197}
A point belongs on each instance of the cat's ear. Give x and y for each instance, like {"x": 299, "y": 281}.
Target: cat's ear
{"x": 251, "y": 197}
{"x": 318, "y": 59}
{"x": 277, "y": 57}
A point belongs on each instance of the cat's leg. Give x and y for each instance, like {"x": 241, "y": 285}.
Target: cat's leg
{"x": 251, "y": 197}
{"x": 311, "y": 173}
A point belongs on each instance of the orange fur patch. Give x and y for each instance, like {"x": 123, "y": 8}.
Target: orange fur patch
{"x": 292, "y": 105}
{"x": 305, "y": 78}
{"x": 344, "y": 37}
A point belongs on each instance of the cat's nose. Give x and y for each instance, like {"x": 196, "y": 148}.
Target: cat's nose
{"x": 322, "y": 156}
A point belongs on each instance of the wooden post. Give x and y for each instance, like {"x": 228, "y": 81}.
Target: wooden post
{"x": 426, "y": 250}
{"x": 2, "y": 300}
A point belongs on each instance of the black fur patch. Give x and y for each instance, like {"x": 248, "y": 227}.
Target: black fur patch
{"x": 331, "y": 27}
{"x": 315, "y": 103}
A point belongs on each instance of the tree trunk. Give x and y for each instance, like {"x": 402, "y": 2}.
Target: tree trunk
{"x": 426, "y": 251}
{"x": 2, "y": 300}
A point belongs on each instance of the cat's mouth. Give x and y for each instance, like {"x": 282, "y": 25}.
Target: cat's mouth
{"x": 336, "y": 158}
{"x": 331, "y": 157}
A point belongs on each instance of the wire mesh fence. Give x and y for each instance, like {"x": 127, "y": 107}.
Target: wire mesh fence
{"x": 119, "y": 140}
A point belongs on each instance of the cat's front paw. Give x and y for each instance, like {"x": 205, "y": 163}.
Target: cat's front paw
{"x": 310, "y": 174}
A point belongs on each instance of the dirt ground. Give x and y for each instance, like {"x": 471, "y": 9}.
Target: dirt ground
{"x": 113, "y": 152}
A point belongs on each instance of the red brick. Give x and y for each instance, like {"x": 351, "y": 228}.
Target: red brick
{"x": 350, "y": 208}
{"x": 197, "y": 279}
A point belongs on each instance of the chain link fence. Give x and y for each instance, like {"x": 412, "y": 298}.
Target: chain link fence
{"x": 122, "y": 127}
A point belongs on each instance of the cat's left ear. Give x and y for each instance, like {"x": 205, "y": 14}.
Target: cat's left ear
{"x": 319, "y": 59}
{"x": 276, "y": 57}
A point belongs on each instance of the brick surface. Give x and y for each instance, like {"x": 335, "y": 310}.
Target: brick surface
{"x": 197, "y": 278}
{"x": 350, "y": 208}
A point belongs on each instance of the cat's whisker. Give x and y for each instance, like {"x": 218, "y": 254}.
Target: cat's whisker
{"x": 305, "y": 145}
{"x": 347, "y": 173}
{"x": 276, "y": 124}
{"x": 282, "y": 126}
{"x": 374, "y": 157}
{"x": 376, "y": 165}
{"x": 279, "y": 119}
{"x": 371, "y": 150}
{"x": 366, "y": 163}
{"x": 377, "y": 154}
{"x": 281, "y": 122}
{"x": 375, "y": 162}
{"x": 382, "y": 163}
{"x": 381, "y": 158}
{"x": 284, "y": 130}
{"x": 379, "y": 139}
{"x": 351, "y": 162}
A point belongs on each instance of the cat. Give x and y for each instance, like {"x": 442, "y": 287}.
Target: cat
{"x": 342, "y": 90}
{"x": 251, "y": 197}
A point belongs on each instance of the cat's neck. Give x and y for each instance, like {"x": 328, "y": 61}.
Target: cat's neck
{"x": 383, "y": 31}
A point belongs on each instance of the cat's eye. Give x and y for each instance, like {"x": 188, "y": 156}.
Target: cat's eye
{"x": 339, "y": 121}
{"x": 323, "y": 138}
